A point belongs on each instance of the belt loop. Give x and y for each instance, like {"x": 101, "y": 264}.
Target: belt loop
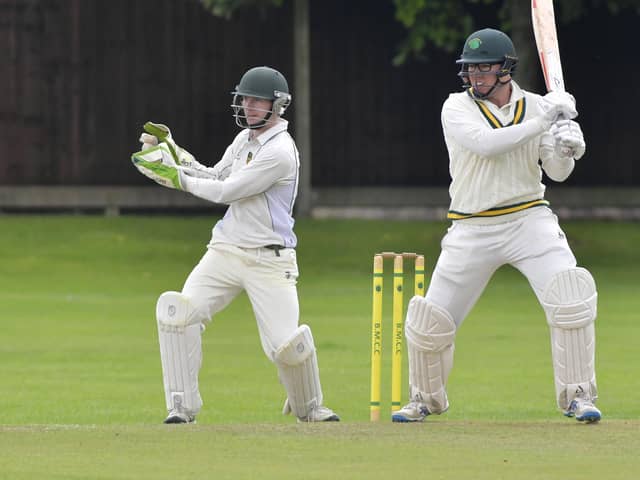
{"x": 275, "y": 248}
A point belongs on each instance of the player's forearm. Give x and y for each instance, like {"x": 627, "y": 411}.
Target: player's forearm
{"x": 205, "y": 188}
{"x": 488, "y": 143}
{"x": 242, "y": 184}
{"x": 222, "y": 169}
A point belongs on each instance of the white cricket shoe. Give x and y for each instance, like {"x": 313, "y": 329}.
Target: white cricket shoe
{"x": 411, "y": 412}
{"x": 178, "y": 416}
{"x": 320, "y": 414}
{"x": 584, "y": 410}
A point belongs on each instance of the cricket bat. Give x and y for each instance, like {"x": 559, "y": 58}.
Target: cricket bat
{"x": 544, "y": 29}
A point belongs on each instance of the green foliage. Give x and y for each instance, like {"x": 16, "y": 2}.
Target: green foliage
{"x": 227, "y": 8}
{"x": 439, "y": 22}
{"x": 444, "y": 24}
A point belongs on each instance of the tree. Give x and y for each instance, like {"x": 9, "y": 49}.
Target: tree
{"x": 445, "y": 24}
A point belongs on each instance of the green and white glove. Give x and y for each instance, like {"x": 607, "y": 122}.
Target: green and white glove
{"x": 164, "y": 161}
{"x": 156, "y": 133}
{"x": 158, "y": 164}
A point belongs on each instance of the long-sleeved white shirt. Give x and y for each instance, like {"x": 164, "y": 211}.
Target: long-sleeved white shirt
{"x": 258, "y": 179}
{"x": 494, "y": 152}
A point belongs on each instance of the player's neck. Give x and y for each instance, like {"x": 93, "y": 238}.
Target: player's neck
{"x": 501, "y": 95}
{"x": 256, "y": 132}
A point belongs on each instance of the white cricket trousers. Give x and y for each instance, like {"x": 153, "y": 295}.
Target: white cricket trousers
{"x": 269, "y": 280}
{"x": 532, "y": 242}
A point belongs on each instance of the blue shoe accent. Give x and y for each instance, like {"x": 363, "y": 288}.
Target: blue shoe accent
{"x": 583, "y": 410}
{"x": 410, "y": 413}
{"x": 590, "y": 417}
{"x": 395, "y": 418}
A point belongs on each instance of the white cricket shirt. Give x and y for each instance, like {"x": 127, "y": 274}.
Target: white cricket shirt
{"x": 493, "y": 153}
{"x": 258, "y": 179}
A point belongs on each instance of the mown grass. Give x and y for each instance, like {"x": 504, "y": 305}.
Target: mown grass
{"x": 81, "y": 393}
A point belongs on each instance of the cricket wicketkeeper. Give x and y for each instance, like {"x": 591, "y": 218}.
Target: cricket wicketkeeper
{"x": 252, "y": 249}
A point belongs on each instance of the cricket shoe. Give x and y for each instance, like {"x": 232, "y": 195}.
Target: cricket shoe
{"x": 178, "y": 416}
{"x": 320, "y": 414}
{"x": 584, "y": 411}
{"x": 411, "y": 412}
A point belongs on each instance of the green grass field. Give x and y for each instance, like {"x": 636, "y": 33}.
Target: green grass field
{"x": 81, "y": 389}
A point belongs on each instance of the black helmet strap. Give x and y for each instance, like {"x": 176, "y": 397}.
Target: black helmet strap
{"x": 482, "y": 96}
{"x": 508, "y": 68}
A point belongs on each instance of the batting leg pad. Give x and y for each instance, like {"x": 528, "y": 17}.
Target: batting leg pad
{"x": 297, "y": 365}
{"x": 430, "y": 333}
{"x": 570, "y": 304}
{"x": 180, "y": 339}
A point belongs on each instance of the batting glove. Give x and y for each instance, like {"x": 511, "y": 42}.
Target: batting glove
{"x": 547, "y": 146}
{"x": 558, "y": 104}
{"x": 568, "y": 138}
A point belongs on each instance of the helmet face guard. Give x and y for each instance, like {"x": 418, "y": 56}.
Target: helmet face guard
{"x": 488, "y": 47}
{"x": 278, "y": 107}
{"x": 265, "y": 83}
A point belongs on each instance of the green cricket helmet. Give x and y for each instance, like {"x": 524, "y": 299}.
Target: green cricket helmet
{"x": 488, "y": 46}
{"x": 261, "y": 82}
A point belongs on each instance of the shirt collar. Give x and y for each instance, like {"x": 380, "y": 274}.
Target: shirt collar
{"x": 516, "y": 93}
{"x": 267, "y": 135}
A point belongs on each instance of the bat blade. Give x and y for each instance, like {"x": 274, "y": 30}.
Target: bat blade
{"x": 544, "y": 29}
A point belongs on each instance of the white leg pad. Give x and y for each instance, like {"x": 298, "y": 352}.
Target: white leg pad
{"x": 179, "y": 333}
{"x": 570, "y": 304}
{"x": 430, "y": 333}
{"x": 297, "y": 365}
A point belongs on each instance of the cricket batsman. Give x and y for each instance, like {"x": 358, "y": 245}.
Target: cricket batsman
{"x": 252, "y": 249}
{"x": 500, "y": 139}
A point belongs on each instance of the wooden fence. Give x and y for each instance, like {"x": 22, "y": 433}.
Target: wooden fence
{"x": 79, "y": 77}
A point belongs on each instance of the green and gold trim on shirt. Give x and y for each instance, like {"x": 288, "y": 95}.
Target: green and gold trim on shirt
{"x": 496, "y": 212}
{"x": 518, "y": 116}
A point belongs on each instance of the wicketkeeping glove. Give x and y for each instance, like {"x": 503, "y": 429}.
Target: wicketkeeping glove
{"x": 148, "y": 141}
{"x": 156, "y": 133}
{"x": 157, "y": 163}
{"x": 568, "y": 138}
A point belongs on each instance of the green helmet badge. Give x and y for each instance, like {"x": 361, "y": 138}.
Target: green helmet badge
{"x": 474, "y": 43}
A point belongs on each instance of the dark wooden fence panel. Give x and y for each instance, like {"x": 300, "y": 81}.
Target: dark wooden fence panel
{"x": 374, "y": 124}
{"x": 79, "y": 78}
{"x": 82, "y": 76}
